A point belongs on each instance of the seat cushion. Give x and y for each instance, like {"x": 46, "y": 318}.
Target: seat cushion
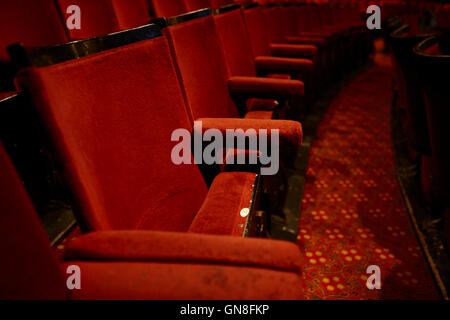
{"x": 170, "y": 281}
{"x": 230, "y": 192}
{"x": 185, "y": 247}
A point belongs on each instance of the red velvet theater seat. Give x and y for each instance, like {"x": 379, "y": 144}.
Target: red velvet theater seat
{"x": 432, "y": 56}
{"x": 35, "y": 22}
{"x": 136, "y": 265}
{"x": 107, "y": 116}
{"x": 205, "y": 77}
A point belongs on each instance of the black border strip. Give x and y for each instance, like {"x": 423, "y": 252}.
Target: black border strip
{"x": 44, "y": 56}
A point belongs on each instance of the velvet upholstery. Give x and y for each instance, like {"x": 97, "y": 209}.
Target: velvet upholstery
{"x": 260, "y": 114}
{"x": 265, "y": 87}
{"x": 220, "y": 212}
{"x": 262, "y": 104}
{"x": 402, "y": 44}
{"x": 200, "y": 60}
{"x": 290, "y": 132}
{"x": 291, "y": 66}
{"x": 7, "y": 94}
{"x": 146, "y": 246}
{"x": 102, "y": 17}
{"x": 257, "y": 32}
{"x": 317, "y": 41}
{"x": 28, "y": 269}
{"x": 192, "y": 5}
{"x": 237, "y": 49}
{"x": 32, "y": 22}
{"x": 137, "y": 264}
{"x": 121, "y": 134}
{"x": 168, "y": 281}
{"x": 265, "y": 44}
{"x": 166, "y": 8}
{"x": 131, "y": 13}
{"x": 204, "y": 75}
{"x": 234, "y": 38}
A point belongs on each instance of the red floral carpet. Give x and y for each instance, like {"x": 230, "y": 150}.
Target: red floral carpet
{"x": 353, "y": 214}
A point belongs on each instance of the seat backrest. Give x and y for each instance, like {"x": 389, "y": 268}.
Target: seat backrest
{"x": 167, "y": 8}
{"x": 32, "y": 22}
{"x": 29, "y": 269}
{"x": 257, "y": 30}
{"x": 193, "y": 5}
{"x": 110, "y": 117}
{"x": 131, "y": 13}
{"x": 289, "y": 19}
{"x": 230, "y": 26}
{"x": 274, "y": 23}
{"x": 199, "y": 56}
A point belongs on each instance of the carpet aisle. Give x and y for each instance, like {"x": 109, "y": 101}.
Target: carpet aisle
{"x": 353, "y": 215}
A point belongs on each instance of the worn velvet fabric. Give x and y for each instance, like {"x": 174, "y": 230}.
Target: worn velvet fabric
{"x": 229, "y": 193}
{"x": 187, "y": 281}
{"x": 109, "y": 143}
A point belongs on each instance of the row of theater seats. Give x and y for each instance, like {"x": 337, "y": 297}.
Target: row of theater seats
{"x": 421, "y": 61}
{"x": 108, "y": 105}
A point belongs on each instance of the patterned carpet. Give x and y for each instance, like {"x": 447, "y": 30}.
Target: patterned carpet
{"x": 353, "y": 214}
